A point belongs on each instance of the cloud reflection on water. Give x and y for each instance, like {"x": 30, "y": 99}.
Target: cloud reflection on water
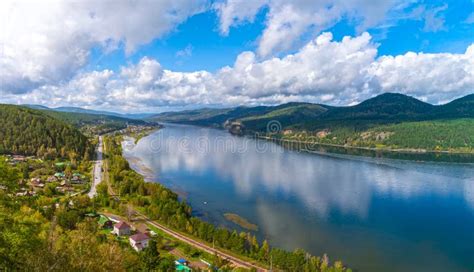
{"x": 322, "y": 183}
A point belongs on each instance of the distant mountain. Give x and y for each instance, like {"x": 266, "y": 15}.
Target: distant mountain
{"x": 89, "y": 122}
{"x": 33, "y": 132}
{"x": 95, "y": 112}
{"x": 37, "y": 107}
{"x": 383, "y": 109}
{"x": 80, "y": 119}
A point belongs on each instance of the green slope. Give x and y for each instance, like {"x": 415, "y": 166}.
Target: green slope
{"x": 388, "y": 108}
{"x": 33, "y": 132}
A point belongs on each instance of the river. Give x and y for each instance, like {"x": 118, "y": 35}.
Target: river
{"x": 374, "y": 214}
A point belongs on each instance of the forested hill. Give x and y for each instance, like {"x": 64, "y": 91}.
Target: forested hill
{"x": 388, "y": 108}
{"x": 32, "y": 132}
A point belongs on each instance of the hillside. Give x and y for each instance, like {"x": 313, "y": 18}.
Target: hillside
{"x": 391, "y": 121}
{"x": 102, "y": 113}
{"x": 33, "y": 132}
{"x": 91, "y": 112}
{"x": 90, "y": 122}
{"x": 94, "y": 123}
{"x": 386, "y": 108}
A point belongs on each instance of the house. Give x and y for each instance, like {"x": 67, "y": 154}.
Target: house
{"x": 65, "y": 188}
{"x": 59, "y": 175}
{"x": 121, "y": 229}
{"x": 19, "y": 158}
{"x": 105, "y": 222}
{"x": 182, "y": 261}
{"x": 36, "y": 182}
{"x": 139, "y": 241}
{"x": 182, "y": 265}
{"x": 77, "y": 179}
{"x": 24, "y": 192}
{"x": 52, "y": 179}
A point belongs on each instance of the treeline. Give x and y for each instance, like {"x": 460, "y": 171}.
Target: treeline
{"x": 443, "y": 135}
{"x": 31, "y": 132}
{"x": 163, "y": 205}
{"x": 93, "y": 124}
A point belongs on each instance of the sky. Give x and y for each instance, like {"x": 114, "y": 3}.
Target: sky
{"x": 161, "y": 55}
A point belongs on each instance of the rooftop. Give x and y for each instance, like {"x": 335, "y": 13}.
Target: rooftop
{"x": 139, "y": 237}
{"x": 121, "y": 225}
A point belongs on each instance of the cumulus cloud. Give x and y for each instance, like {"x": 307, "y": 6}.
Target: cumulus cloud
{"x": 45, "y": 42}
{"x": 287, "y": 21}
{"x": 234, "y": 12}
{"x": 325, "y": 71}
{"x": 434, "y": 77}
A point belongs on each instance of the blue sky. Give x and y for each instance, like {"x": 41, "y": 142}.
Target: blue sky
{"x": 170, "y": 54}
{"x": 211, "y": 51}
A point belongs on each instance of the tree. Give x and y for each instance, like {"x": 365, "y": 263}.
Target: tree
{"x": 8, "y": 175}
{"x": 264, "y": 250}
{"x": 150, "y": 256}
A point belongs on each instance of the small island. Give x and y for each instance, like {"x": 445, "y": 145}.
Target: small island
{"x": 242, "y": 222}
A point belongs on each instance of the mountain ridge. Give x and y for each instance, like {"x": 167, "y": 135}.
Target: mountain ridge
{"x": 385, "y": 108}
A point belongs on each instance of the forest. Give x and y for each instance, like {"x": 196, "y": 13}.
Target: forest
{"x": 440, "y": 135}
{"x": 31, "y": 132}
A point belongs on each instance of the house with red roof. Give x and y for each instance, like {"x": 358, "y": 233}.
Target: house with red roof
{"x": 139, "y": 241}
{"x": 122, "y": 229}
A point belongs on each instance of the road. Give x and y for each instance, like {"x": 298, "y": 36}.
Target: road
{"x": 236, "y": 261}
{"x": 97, "y": 173}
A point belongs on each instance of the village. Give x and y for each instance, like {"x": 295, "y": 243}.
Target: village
{"x": 63, "y": 178}
{"x": 48, "y": 177}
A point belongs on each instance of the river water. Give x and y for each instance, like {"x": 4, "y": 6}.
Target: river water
{"x": 374, "y": 214}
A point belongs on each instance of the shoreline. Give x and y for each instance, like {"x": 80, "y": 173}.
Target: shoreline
{"x": 135, "y": 163}
{"x": 414, "y": 151}
{"x": 375, "y": 149}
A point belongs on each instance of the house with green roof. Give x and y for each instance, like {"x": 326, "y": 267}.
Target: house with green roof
{"x": 105, "y": 222}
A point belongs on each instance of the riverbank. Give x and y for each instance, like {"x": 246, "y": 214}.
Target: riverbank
{"x": 138, "y": 134}
{"x": 398, "y": 154}
{"x": 377, "y": 149}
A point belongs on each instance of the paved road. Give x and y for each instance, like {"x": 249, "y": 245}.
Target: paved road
{"x": 202, "y": 246}
{"x": 97, "y": 173}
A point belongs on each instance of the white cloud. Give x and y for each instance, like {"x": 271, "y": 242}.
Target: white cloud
{"x": 334, "y": 72}
{"x": 234, "y": 12}
{"x": 437, "y": 77}
{"x": 287, "y": 21}
{"x": 45, "y": 42}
